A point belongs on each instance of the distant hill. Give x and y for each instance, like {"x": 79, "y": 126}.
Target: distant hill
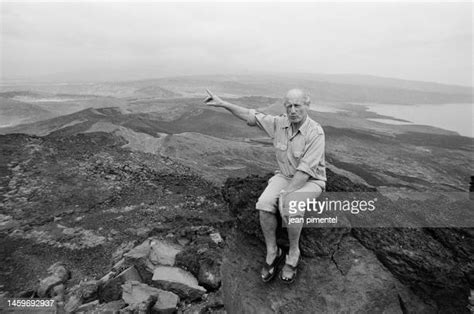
{"x": 14, "y": 112}
{"x": 114, "y": 89}
{"x": 322, "y": 87}
{"x": 340, "y": 88}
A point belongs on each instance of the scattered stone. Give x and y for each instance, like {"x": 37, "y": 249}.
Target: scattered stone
{"x": 7, "y": 223}
{"x": 59, "y": 275}
{"x": 112, "y": 289}
{"x": 58, "y": 269}
{"x": 138, "y": 256}
{"x": 216, "y": 238}
{"x": 203, "y": 262}
{"x": 142, "y": 231}
{"x": 113, "y": 306}
{"x": 88, "y": 306}
{"x": 58, "y": 292}
{"x": 139, "y": 252}
{"x": 107, "y": 277}
{"x": 122, "y": 249}
{"x": 17, "y": 233}
{"x": 179, "y": 281}
{"x": 183, "y": 241}
{"x": 82, "y": 293}
{"x": 139, "y": 232}
{"x": 47, "y": 284}
{"x": 73, "y": 303}
{"x": 210, "y": 275}
{"x": 138, "y": 293}
{"x": 166, "y": 303}
{"x": 163, "y": 253}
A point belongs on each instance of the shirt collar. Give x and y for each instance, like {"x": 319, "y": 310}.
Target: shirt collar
{"x": 303, "y": 128}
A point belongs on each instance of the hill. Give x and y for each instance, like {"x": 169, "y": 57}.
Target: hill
{"x": 337, "y": 88}
{"x": 14, "y": 112}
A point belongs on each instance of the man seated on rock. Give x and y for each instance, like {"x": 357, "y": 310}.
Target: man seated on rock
{"x": 299, "y": 144}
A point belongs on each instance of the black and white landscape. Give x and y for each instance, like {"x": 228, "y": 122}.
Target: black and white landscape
{"x": 121, "y": 193}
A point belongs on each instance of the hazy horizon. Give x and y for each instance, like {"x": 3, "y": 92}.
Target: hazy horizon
{"x": 430, "y": 42}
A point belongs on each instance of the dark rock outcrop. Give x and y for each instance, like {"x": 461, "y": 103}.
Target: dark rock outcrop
{"x": 436, "y": 264}
{"x": 353, "y": 281}
{"x": 433, "y": 269}
{"x": 241, "y": 195}
{"x": 203, "y": 259}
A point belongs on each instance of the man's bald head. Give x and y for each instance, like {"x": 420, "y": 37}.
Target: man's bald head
{"x": 298, "y": 96}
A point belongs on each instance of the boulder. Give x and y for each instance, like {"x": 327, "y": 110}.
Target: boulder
{"x": 179, "y": 281}
{"x": 112, "y": 289}
{"x": 163, "y": 252}
{"x": 166, "y": 303}
{"x": 58, "y": 292}
{"x": 241, "y": 195}
{"x": 216, "y": 238}
{"x": 436, "y": 263}
{"x": 111, "y": 307}
{"x": 151, "y": 253}
{"x": 204, "y": 262}
{"x": 141, "y": 295}
{"x": 142, "y": 307}
{"x": 80, "y": 294}
{"x": 47, "y": 284}
{"x": 352, "y": 281}
{"x": 58, "y": 275}
{"x": 138, "y": 257}
{"x": 88, "y": 307}
{"x": 212, "y": 303}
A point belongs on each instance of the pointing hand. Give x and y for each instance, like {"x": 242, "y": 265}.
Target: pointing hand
{"x": 212, "y": 99}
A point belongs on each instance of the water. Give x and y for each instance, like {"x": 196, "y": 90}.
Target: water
{"x": 324, "y": 108}
{"x": 453, "y": 117}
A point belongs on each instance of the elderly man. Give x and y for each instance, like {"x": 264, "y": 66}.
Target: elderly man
{"x": 299, "y": 144}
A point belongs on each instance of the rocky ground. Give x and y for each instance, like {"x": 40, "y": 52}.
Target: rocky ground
{"x": 348, "y": 269}
{"x": 99, "y": 227}
{"x": 84, "y": 201}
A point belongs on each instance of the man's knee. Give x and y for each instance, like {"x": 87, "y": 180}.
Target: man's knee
{"x": 266, "y": 204}
{"x": 296, "y": 203}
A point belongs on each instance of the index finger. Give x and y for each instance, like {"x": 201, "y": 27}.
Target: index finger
{"x": 209, "y": 92}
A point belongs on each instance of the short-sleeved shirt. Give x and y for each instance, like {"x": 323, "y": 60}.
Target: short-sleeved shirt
{"x": 303, "y": 151}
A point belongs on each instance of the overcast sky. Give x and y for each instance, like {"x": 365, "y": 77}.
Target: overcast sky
{"x": 121, "y": 41}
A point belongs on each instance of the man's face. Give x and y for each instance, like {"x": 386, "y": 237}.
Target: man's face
{"x": 296, "y": 110}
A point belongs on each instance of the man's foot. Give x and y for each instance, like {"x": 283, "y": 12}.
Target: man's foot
{"x": 289, "y": 271}
{"x": 270, "y": 269}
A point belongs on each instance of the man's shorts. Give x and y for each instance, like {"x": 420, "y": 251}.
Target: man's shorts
{"x": 269, "y": 200}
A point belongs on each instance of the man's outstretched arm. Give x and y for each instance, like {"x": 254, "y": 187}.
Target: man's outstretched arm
{"x": 216, "y": 101}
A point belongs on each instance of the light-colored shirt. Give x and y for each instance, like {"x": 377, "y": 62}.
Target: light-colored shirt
{"x": 303, "y": 151}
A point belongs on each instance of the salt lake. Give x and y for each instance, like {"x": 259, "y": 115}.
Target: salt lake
{"x": 453, "y": 117}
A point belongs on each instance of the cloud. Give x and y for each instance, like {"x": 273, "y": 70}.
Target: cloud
{"x": 426, "y": 41}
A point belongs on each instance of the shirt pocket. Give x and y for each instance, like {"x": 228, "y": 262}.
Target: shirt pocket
{"x": 297, "y": 148}
{"x": 281, "y": 149}
{"x": 297, "y": 154}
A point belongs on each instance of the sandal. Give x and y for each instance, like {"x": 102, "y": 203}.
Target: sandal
{"x": 271, "y": 269}
{"x": 293, "y": 269}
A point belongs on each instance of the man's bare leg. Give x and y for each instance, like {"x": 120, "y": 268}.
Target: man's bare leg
{"x": 268, "y": 222}
{"x": 294, "y": 232}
